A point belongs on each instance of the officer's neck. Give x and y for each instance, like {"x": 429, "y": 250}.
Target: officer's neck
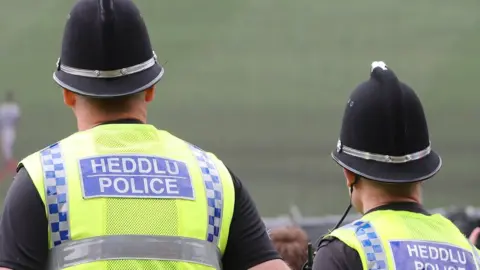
{"x": 367, "y": 206}
{"x": 370, "y": 202}
{"x": 368, "y": 195}
{"x": 87, "y": 120}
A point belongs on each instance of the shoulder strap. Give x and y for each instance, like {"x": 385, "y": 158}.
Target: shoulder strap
{"x": 370, "y": 244}
{"x": 475, "y": 254}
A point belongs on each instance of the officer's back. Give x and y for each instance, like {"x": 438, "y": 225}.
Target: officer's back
{"x": 385, "y": 151}
{"x": 120, "y": 194}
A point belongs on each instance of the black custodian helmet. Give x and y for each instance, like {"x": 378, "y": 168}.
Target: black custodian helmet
{"x": 384, "y": 135}
{"x": 106, "y": 51}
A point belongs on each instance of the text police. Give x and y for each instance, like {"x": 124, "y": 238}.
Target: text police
{"x": 135, "y": 176}
{"x": 423, "y": 255}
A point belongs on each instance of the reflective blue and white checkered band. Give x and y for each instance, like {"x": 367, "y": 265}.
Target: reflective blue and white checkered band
{"x": 56, "y": 193}
{"x": 371, "y": 245}
{"x": 382, "y": 158}
{"x": 214, "y": 192}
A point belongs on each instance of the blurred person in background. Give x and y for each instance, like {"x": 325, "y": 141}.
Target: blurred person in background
{"x": 9, "y": 116}
{"x": 385, "y": 150}
{"x": 467, "y": 222}
{"x": 474, "y": 236}
{"x": 119, "y": 193}
{"x": 291, "y": 242}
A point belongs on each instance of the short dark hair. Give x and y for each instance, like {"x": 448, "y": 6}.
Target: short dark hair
{"x": 112, "y": 104}
{"x": 396, "y": 189}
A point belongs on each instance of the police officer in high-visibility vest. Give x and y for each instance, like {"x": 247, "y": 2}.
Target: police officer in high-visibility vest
{"x": 120, "y": 194}
{"x": 385, "y": 150}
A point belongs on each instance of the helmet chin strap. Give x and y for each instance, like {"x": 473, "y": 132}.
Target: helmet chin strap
{"x": 309, "y": 264}
{"x": 319, "y": 240}
{"x": 349, "y": 206}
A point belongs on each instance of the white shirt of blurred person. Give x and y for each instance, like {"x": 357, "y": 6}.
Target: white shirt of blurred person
{"x": 9, "y": 116}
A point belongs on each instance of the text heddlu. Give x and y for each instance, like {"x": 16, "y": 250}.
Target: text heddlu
{"x": 425, "y": 255}
{"x": 141, "y": 165}
{"x": 135, "y": 176}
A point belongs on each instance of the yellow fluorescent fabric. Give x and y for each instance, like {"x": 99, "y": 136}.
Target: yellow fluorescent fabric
{"x": 67, "y": 173}
{"x": 405, "y": 240}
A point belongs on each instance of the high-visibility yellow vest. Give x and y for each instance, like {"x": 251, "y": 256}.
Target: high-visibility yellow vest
{"x": 401, "y": 240}
{"x": 129, "y": 196}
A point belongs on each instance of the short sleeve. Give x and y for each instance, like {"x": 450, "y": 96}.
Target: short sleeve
{"x": 248, "y": 242}
{"x": 23, "y": 226}
{"x": 333, "y": 254}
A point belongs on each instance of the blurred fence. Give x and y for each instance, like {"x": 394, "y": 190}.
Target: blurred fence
{"x": 318, "y": 226}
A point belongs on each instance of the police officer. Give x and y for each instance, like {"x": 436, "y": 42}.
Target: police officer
{"x": 120, "y": 194}
{"x": 385, "y": 151}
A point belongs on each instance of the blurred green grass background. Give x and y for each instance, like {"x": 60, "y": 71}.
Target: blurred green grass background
{"x": 263, "y": 84}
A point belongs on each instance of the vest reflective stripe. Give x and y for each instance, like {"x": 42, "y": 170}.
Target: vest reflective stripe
{"x": 214, "y": 193}
{"x": 371, "y": 245}
{"x": 136, "y": 247}
{"x": 56, "y": 194}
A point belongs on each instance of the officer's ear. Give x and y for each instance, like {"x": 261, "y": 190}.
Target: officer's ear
{"x": 349, "y": 177}
{"x": 150, "y": 94}
{"x": 69, "y": 98}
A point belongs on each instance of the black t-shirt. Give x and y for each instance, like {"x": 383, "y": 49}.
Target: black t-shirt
{"x": 333, "y": 254}
{"x": 24, "y": 227}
